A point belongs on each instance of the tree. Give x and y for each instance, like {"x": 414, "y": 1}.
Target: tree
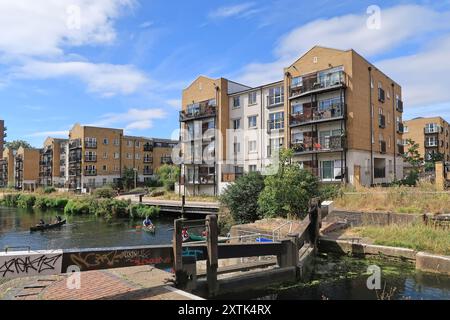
{"x": 412, "y": 155}
{"x": 241, "y": 197}
{"x": 168, "y": 176}
{"x": 128, "y": 178}
{"x": 16, "y": 144}
{"x": 289, "y": 191}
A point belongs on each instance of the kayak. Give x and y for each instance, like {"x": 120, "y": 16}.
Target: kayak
{"x": 151, "y": 229}
{"x": 48, "y": 226}
{"x": 197, "y": 238}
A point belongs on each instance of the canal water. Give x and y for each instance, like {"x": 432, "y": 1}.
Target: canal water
{"x": 345, "y": 278}
{"x": 85, "y": 231}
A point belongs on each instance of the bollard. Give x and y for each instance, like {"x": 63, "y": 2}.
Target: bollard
{"x": 213, "y": 255}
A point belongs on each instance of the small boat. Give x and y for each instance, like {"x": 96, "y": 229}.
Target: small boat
{"x": 150, "y": 229}
{"x": 197, "y": 238}
{"x": 48, "y": 226}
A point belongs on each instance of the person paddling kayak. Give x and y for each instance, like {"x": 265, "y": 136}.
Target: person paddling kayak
{"x": 147, "y": 223}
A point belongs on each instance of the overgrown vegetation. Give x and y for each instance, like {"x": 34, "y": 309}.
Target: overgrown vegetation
{"x": 142, "y": 211}
{"x": 168, "y": 175}
{"x": 242, "y": 196}
{"x": 105, "y": 193}
{"x": 401, "y": 199}
{"x": 415, "y": 236}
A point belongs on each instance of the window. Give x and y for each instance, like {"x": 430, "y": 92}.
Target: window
{"x": 297, "y": 82}
{"x": 105, "y": 141}
{"x": 105, "y": 181}
{"x": 405, "y": 129}
{"x": 252, "y": 146}
{"x": 276, "y": 96}
{"x": 138, "y": 144}
{"x": 252, "y": 121}
{"x": 236, "y": 102}
{"x": 116, "y": 155}
{"x": 105, "y": 168}
{"x": 129, "y": 143}
{"x": 237, "y": 147}
{"x": 331, "y": 77}
{"x": 276, "y": 121}
{"x": 297, "y": 137}
{"x": 252, "y": 168}
{"x": 275, "y": 145}
{"x": 331, "y": 170}
{"x": 431, "y": 128}
{"x": 236, "y": 124}
{"x": 137, "y": 156}
{"x": 116, "y": 142}
{"x": 116, "y": 168}
{"x": 129, "y": 156}
{"x": 105, "y": 155}
{"x": 91, "y": 142}
{"x": 252, "y": 98}
{"x": 297, "y": 108}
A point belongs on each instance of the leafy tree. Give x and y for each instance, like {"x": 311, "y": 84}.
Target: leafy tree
{"x": 168, "y": 176}
{"x": 128, "y": 178}
{"x": 241, "y": 197}
{"x": 412, "y": 155}
{"x": 289, "y": 191}
{"x": 16, "y": 144}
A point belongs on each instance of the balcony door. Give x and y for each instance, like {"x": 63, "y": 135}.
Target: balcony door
{"x": 325, "y": 138}
{"x": 331, "y": 170}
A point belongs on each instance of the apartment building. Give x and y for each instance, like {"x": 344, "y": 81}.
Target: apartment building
{"x": 340, "y": 114}
{"x": 98, "y": 156}
{"x": 26, "y": 169}
{"x": 53, "y": 169}
{"x": 3, "y": 134}
{"x": 7, "y": 168}
{"x": 432, "y": 136}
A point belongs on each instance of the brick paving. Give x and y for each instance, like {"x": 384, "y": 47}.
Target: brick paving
{"x": 136, "y": 283}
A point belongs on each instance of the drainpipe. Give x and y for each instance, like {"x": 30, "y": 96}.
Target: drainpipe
{"x": 371, "y": 127}
{"x": 395, "y": 131}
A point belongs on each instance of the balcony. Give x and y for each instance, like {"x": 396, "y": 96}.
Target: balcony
{"x": 319, "y": 145}
{"x": 383, "y": 147}
{"x": 75, "y": 144}
{"x": 430, "y": 143}
{"x": 90, "y": 173}
{"x": 313, "y": 115}
{"x": 148, "y": 160}
{"x": 400, "y": 128}
{"x": 314, "y": 84}
{"x": 91, "y": 158}
{"x": 203, "y": 111}
{"x": 381, "y": 121}
{"x": 90, "y": 145}
{"x": 148, "y": 147}
{"x": 381, "y": 95}
{"x": 399, "y": 106}
{"x": 433, "y": 130}
{"x": 166, "y": 160}
{"x": 148, "y": 172}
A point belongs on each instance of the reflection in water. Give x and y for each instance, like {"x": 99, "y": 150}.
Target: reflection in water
{"x": 80, "y": 231}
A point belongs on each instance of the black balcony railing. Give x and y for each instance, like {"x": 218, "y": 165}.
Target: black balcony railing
{"x": 90, "y": 173}
{"x": 381, "y": 95}
{"x": 75, "y": 144}
{"x": 90, "y": 145}
{"x": 90, "y": 158}
{"x": 382, "y": 121}
{"x": 314, "y": 83}
{"x": 148, "y": 147}
{"x": 383, "y": 147}
{"x": 148, "y": 172}
{"x": 399, "y": 106}
{"x": 323, "y": 144}
{"x": 316, "y": 114}
{"x": 148, "y": 160}
{"x": 205, "y": 111}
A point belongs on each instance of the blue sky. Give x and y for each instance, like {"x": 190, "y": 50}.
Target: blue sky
{"x": 124, "y": 63}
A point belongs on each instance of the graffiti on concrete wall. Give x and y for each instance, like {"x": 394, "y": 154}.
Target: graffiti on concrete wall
{"x": 13, "y": 265}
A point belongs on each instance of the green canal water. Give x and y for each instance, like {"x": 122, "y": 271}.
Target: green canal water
{"x": 333, "y": 277}
{"x": 80, "y": 232}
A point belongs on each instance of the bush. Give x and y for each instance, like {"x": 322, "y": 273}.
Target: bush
{"x": 153, "y": 183}
{"x": 43, "y": 203}
{"x": 225, "y": 222}
{"x": 110, "y": 208}
{"x": 138, "y": 191}
{"x": 329, "y": 192}
{"x": 168, "y": 175}
{"x": 142, "y": 211}
{"x": 26, "y": 201}
{"x": 49, "y": 190}
{"x": 77, "y": 207}
{"x": 10, "y": 200}
{"x": 105, "y": 193}
{"x": 241, "y": 197}
{"x": 288, "y": 192}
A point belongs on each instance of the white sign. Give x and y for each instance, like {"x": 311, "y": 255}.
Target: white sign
{"x": 33, "y": 263}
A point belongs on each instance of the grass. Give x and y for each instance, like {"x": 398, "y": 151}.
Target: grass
{"x": 176, "y": 197}
{"x": 414, "y": 200}
{"x": 418, "y": 237}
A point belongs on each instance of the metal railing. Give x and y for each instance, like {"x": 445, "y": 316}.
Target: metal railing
{"x": 317, "y": 114}
{"x": 330, "y": 143}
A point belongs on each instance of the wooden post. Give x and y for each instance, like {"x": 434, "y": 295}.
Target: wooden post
{"x": 183, "y": 203}
{"x": 141, "y": 196}
{"x": 177, "y": 246}
{"x": 213, "y": 257}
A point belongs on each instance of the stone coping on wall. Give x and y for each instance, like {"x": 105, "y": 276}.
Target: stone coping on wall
{"x": 423, "y": 261}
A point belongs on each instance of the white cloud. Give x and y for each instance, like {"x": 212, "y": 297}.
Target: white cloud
{"x": 399, "y": 25}
{"x": 146, "y": 24}
{"x": 43, "y": 27}
{"x": 174, "y": 103}
{"x": 232, "y": 11}
{"x": 105, "y": 79}
{"x": 133, "y": 119}
{"x": 423, "y": 76}
{"x": 56, "y": 134}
